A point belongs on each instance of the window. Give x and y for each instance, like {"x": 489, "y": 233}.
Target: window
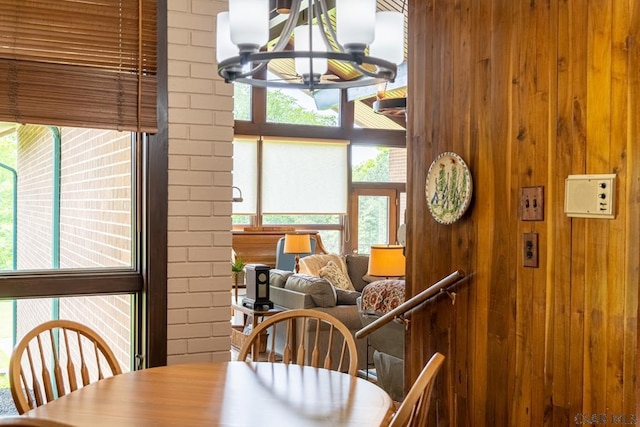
{"x": 291, "y": 180}
{"x": 85, "y": 184}
{"x": 378, "y": 164}
{"x": 293, "y": 106}
{"x": 303, "y": 182}
{"x": 69, "y": 206}
{"x": 73, "y": 199}
{"x": 241, "y": 101}
{"x": 304, "y": 177}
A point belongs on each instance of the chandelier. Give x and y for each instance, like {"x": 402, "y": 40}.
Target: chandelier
{"x": 370, "y": 42}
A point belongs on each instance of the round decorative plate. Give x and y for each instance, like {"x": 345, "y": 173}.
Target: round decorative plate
{"x": 448, "y": 188}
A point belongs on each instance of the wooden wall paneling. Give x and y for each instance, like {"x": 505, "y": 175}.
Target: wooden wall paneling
{"x": 545, "y": 98}
{"x": 558, "y": 225}
{"x": 497, "y": 147}
{"x": 463, "y": 237}
{"x": 441, "y": 312}
{"x": 630, "y": 369}
{"x": 524, "y": 111}
{"x": 419, "y": 145}
{"x": 513, "y": 146}
{"x": 597, "y": 238}
{"x": 617, "y": 282}
{"x": 483, "y": 401}
{"x": 577, "y": 28}
{"x": 527, "y": 93}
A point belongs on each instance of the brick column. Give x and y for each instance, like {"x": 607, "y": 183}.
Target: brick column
{"x": 200, "y": 163}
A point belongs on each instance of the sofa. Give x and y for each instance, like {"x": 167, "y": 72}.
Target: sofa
{"x": 379, "y": 298}
{"x": 307, "y": 289}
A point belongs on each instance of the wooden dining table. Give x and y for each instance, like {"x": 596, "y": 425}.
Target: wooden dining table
{"x": 224, "y": 394}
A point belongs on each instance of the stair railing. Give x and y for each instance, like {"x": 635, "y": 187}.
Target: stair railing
{"x": 405, "y": 308}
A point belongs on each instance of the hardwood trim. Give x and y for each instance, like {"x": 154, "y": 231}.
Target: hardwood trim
{"x": 154, "y": 266}
{"x": 398, "y": 186}
{"x": 347, "y": 111}
{"x": 383, "y": 137}
{"x": 63, "y": 284}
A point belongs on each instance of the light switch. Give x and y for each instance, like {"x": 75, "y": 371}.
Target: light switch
{"x": 590, "y": 196}
{"x": 532, "y": 203}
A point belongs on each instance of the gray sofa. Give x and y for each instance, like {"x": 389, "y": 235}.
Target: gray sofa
{"x": 305, "y": 291}
{"x": 377, "y": 299}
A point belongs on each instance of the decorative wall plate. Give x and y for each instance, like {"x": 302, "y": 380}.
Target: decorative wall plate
{"x": 448, "y": 188}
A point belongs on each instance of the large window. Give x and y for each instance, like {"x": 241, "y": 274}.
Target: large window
{"x": 303, "y": 184}
{"x": 77, "y": 236}
{"x": 69, "y": 198}
{"x": 298, "y": 156}
{"x": 294, "y": 106}
{"x": 68, "y": 206}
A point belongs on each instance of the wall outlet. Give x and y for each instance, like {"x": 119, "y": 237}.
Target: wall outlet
{"x": 530, "y": 250}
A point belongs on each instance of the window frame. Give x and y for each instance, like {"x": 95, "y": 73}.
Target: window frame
{"x": 258, "y": 127}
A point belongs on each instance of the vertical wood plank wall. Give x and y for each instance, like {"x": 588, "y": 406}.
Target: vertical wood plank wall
{"x": 527, "y": 92}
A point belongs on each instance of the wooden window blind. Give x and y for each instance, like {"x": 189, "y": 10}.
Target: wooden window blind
{"x": 79, "y": 63}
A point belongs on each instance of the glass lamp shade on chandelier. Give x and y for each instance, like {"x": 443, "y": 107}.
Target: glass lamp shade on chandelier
{"x": 370, "y": 42}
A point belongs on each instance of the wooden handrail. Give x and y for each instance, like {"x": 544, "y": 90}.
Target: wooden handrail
{"x": 411, "y": 303}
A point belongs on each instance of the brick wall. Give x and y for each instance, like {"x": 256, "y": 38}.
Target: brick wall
{"x": 95, "y": 204}
{"x": 200, "y": 163}
{"x": 35, "y": 197}
{"x": 95, "y": 223}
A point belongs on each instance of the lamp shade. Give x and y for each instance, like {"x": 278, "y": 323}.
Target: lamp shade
{"x": 355, "y": 22}
{"x": 297, "y": 244}
{"x": 387, "y": 261}
{"x": 224, "y": 46}
{"x": 389, "y": 39}
{"x": 301, "y": 43}
{"x": 249, "y": 23}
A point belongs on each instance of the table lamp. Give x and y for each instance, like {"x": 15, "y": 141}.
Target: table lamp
{"x": 386, "y": 261}
{"x": 297, "y": 244}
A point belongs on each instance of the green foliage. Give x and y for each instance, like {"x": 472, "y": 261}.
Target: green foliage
{"x": 238, "y": 264}
{"x": 281, "y": 108}
{"x": 373, "y": 170}
{"x": 8, "y": 157}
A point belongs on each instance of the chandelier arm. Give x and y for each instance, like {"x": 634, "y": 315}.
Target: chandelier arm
{"x": 289, "y": 26}
{"x": 325, "y": 14}
{"x": 325, "y": 25}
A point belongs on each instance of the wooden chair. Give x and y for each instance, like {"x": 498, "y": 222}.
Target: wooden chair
{"x": 49, "y": 360}
{"x": 413, "y": 409}
{"x": 19, "y": 421}
{"x": 311, "y": 337}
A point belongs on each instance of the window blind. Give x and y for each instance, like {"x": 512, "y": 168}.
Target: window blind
{"x": 78, "y": 63}
{"x": 245, "y": 176}
{"x": 304, "y": 177}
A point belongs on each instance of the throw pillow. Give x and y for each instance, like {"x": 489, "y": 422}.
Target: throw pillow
{"x": 334, "y": 275}
{"x": 382, "y": 296}
{"x": 321, "y": 291}
{"x": 345, "y": 297}
{"x": 278, "y": 278}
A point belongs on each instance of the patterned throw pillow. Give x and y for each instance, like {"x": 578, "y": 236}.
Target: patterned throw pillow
{"x": 382, "y": 296}
{"x": 334, "y": 275}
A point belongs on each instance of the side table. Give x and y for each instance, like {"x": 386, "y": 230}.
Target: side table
{"x": 254, "y": 317}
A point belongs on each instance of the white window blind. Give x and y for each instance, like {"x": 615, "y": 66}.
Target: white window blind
{"x": 304, "y": 177}
{"x": 245, "y": 176}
